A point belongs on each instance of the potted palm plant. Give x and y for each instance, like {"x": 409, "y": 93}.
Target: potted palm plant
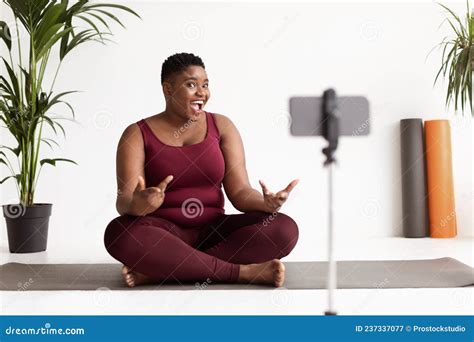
{"x": 26, "y": 101}
{"x": 458, "y": 59}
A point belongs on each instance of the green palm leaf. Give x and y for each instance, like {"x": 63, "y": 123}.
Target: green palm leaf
{"x": 5, "y": 34}
{"x": 24, "y": 103}
{"x": 457, "y": 63}
{"x": 53, "y": 161}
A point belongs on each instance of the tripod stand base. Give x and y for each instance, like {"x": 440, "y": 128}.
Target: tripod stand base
{"x": 330, "y": 313}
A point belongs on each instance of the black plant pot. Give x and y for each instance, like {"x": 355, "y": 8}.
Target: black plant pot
{"x": 27, "y": 226}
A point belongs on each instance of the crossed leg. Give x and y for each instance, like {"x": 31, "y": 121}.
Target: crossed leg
{"x": 160, "y": 251}
{"x": 248, "y": 238}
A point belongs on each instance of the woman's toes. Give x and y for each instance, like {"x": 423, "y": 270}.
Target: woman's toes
{"x": 279, "y": 273}
{"x": 128, "y": 276}
{"x": 125, "y": 270}
{"x": 279, "y": 281}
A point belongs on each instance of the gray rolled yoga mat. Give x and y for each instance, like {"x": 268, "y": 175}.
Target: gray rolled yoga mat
{"x": 363, "y": 274}
{"x": 414, "y": 196}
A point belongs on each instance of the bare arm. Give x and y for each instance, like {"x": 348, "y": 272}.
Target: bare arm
{"x": 236, "y": 182}
{"x": 130, "y": 162}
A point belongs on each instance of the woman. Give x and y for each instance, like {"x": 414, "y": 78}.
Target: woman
{"x": 170, "y": 169}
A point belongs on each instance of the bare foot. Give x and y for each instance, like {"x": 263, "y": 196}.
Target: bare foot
{"x": 133, "y": 278}
{"x": 270, "y": 272}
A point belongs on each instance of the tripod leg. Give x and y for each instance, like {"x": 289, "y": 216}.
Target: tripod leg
{"x": 332, "y": 271}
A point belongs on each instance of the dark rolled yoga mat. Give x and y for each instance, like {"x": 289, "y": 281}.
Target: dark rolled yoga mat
{"x": 414, "y": 196}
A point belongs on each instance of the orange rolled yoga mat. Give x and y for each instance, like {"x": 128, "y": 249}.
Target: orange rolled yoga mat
{"x": 442, "y": 213}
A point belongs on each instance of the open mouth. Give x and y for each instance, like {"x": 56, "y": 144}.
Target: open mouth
{"x": 197, "y": 105}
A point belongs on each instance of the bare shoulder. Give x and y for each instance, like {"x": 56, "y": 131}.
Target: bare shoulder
{"x": 222, "y": 120}
{"x": 132, "y": 132}
{"x": 225, "y": 125}
{"x": 131, "y": 140}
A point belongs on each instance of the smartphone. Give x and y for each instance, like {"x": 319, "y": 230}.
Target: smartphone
{"x": 307, "y": 116}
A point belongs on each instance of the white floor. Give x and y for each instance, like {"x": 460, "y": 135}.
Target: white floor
{"x": 449, "y": 301}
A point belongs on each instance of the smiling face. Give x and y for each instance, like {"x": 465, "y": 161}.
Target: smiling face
{"x": 187, "y": 92}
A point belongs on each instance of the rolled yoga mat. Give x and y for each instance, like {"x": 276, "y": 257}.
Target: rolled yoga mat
{"x": 414, "y": 199}
{"x": 441, "y": 205}
{"x": 360, "y": 274}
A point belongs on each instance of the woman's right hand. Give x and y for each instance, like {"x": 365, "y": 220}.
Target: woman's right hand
{"x": 147, "y": 200}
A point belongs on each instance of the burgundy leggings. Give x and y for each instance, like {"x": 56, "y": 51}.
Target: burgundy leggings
{"x": 167, "y": 253}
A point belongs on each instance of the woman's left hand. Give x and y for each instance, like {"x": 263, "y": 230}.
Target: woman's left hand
{"x": 273, "y": 202}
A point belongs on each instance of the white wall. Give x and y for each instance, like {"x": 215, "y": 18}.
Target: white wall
{"x": 257, "y": 56}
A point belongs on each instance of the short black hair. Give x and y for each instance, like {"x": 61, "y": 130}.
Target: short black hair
{"x": 177, "y": 63}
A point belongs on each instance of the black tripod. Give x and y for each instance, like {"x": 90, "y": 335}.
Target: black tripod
{"x": 331, "y": 134}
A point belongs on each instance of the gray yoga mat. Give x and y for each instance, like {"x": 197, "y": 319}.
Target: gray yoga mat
{"x": 414, "y": 196}
{"x": 444, "y": 272}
